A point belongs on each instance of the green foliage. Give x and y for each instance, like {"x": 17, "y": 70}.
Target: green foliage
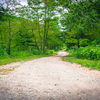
{"x": 36, "y": 52}
{"x": 81, "y": 23}
{"x": 23, "y": 55}
{"x": 1, "y": 52}
{"x": 98, "y": 41}
{"x": 37, "y": 29}
{"x": 6, "y": 60}
{"x": 83, "y": 42}
{"x": 71, "y": 43}
{"x": 50, "y": 52}
{"x": 89, "y": 52}
{"x": 20, "y": 54}
{"x": 93, "y": 64}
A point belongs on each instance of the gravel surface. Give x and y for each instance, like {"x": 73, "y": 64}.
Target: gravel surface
{"x": 50, "y": 78}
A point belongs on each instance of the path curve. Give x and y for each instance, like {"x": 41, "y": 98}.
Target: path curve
{"x": 50, "y": 78}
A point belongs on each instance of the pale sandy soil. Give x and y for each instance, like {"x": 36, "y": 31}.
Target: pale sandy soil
{"x": 50, "y": 78}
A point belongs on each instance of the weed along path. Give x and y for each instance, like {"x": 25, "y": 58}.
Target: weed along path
{"x": 50, "y": 78}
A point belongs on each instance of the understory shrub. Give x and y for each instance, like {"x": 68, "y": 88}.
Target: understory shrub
{"x": 50, "y": 52}
{"x": 20, "y": 54}
{"x": 83, "y": 42}
{"x": 89, "y": 52}
{"x": 35, "y": 52}
{"x": 1, "y": 52}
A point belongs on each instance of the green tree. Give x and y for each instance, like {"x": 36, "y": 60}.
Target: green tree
{"x": 9, "y": 28}
{"x": 82, "y": 18}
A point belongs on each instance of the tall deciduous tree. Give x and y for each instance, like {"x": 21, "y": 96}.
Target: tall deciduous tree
{"x": 10, "y": 27}
{"x": 82, "y": 18}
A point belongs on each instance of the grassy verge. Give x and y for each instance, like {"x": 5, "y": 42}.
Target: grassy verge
{"x": 5, "y": 61}
{"x": 20, "y": 56}
{"x": 24, "y": 56}
{"x": 93, "y": 64}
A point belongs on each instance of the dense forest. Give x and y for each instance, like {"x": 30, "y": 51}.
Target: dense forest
{"x": 44, "y": 25}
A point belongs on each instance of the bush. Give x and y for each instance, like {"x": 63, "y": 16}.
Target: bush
{"x": 20, "y": 54}
{"x": 36, "y": 52}
{"x": 98, "y": 41}
{"x": 50, "y": 52}
{"x": 83, "y": 42}
{"x": 71, "y": 43}
{"x": 1, "y": 52}
{"x": 89, "y": 52}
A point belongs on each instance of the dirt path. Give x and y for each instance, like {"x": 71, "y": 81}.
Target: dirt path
{"x": 50, "y": 78}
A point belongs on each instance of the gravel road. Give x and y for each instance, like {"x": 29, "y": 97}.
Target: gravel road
{"x": 50, "y": 78}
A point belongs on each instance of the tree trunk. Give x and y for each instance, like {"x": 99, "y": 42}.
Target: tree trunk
{"x": 18, "y": 49}
{"x": 2, "y": 41}
{"x": 47, "y": 34}
{"x": 37, "y": 45}
{"x": 78, "y": 44}
{"x": 45, "y": 31}
{"x": 39, "y": 30}
{"x": 29, "y": 49}
{"x": 35, "y": 41}
{"x": 9, "y": 45}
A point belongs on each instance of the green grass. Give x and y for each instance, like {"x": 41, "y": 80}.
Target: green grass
{"x": 93, "y": 64}
{"x": 24, "y": 56}
{"x": 5, "y": 61}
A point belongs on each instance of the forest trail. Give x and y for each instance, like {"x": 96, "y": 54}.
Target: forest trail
{"x": 50, "y": 78}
